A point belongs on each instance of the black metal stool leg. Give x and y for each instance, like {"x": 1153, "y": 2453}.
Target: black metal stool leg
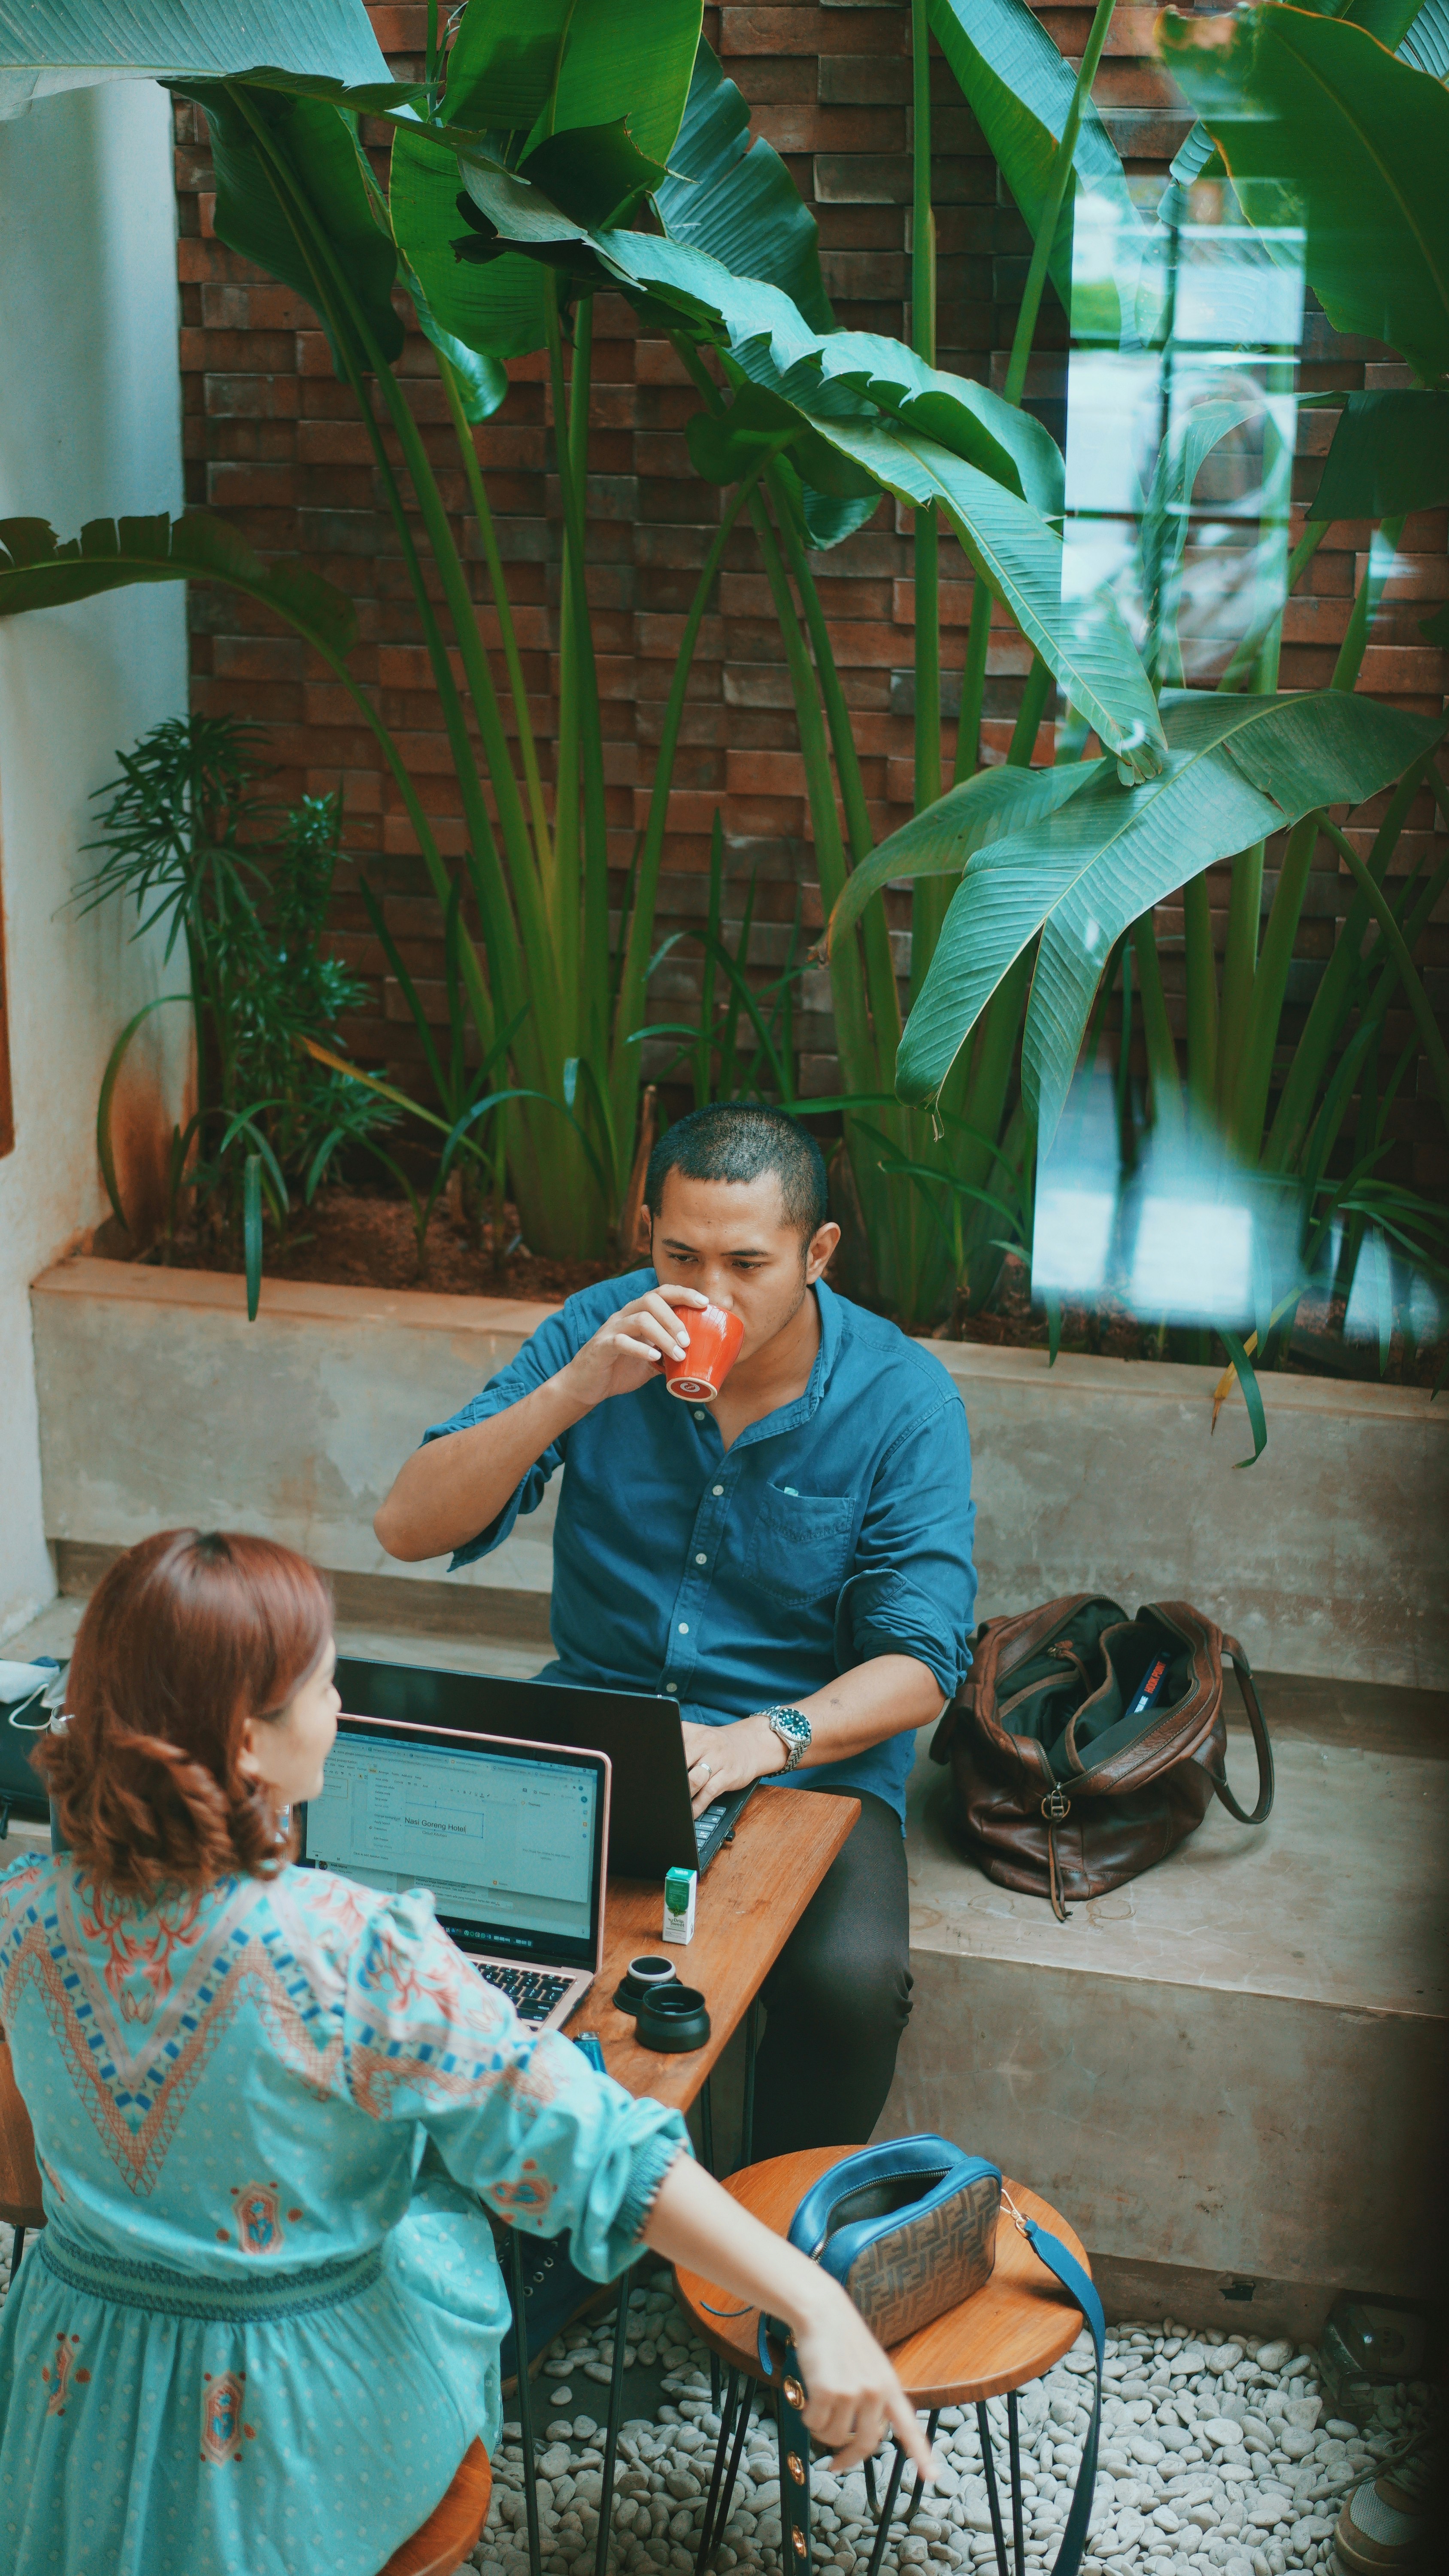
{"x": 525, "y": 2398}
{"x": 988, "y": 2462}
{"x": 747, "y": 2123}
{"x": 1013, "y": 2436}
{"x": 611, "y": 2429}
{"x": 883, "y": 2527}
{"x": 707, "y": 2534}
{"x": 932, "y": 2420}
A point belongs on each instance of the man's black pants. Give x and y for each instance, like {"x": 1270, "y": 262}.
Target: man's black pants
{"x": 839, "y": 1996}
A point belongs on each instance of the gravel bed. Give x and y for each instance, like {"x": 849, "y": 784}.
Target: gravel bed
{"x": 1217, "y": 2457}
{"x": 1217, "y": 2454}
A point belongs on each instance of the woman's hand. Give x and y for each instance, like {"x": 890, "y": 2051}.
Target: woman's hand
{"x": 852, "y": 2393}
{"x": 628, "y": 1348}
{"x": 722, "y": 1758}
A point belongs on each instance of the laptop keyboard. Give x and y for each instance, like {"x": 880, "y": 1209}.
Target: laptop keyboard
{"x": 706, "y": 1827}
{"x": 533, "y": 1992}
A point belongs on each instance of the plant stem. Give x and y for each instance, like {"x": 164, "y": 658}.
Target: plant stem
{"x": 1397, "y": 946}
{"x": 1265, "y": 637}
{"x": 973, "y": 685}
{"x": 477, "y": 491}
{"x": 1029, "y": 715}
{"x": 923, "y": 340}
{"x": 1042, "y": 247}
{"x": 1202, "y": 993}
{"x": 1370, "y": 591}
{"x": 1157, "y": 1030}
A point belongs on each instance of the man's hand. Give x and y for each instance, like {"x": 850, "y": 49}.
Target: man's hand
{"x": 629, "y": 1349}
{"x": 722, "y": 1758}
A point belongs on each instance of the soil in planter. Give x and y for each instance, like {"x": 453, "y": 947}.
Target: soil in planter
{"x": 355, "y": 1239}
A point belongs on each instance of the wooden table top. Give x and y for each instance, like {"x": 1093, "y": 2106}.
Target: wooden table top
{"x": 749, "y": 1902}
{"x": 1010, "y": 2332}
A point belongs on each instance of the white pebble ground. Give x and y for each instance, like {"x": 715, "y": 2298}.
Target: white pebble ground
{"x": 1218, "y": 2454}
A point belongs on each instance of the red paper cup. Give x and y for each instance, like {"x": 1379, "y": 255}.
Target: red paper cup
{"x": 714, "y": 1338}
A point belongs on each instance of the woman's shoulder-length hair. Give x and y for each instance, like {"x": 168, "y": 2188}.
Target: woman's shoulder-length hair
{"x": 186, "y": 1637}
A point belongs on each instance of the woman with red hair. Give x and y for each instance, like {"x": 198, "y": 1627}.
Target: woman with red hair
{"x": 261, "y": 2327}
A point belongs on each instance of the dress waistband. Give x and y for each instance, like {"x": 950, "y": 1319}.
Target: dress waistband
{"x": 266, "y": 2298}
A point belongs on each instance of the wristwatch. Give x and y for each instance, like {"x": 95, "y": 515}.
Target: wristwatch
{"x": 793, "y": 1729}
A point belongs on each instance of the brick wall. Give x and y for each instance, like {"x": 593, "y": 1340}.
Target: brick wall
{"x": 272, "y": 443}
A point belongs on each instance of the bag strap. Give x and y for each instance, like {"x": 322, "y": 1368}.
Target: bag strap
{"x": 791, "y": 2399}
{"x": 1248, "y": 1693}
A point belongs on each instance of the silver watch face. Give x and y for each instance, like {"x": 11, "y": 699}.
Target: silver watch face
{"x": 792, "y": 1727}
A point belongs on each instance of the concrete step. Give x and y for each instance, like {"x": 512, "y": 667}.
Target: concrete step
{"x": 1229, "y": 2073}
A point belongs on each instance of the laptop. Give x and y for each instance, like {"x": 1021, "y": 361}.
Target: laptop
{"x": 509, "y": 1836}
{"x": 651, "y": 1827}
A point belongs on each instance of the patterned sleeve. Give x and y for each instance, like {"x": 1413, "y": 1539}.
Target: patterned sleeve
{"x": 521, "y": 2119}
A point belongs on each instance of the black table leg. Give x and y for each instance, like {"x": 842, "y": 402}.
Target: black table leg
{"x": 16, "y": 2251}
{"x": 1013, "y": 2435}
{"x": 611, "y": 2429}
{"x": 883, "y": 2527}
{"x": 707, "y": 2533}
{"x": 747, "y": 2123}
{"x": 706, "y": 2126}
{"x": 988, "y": 2462}
{"x": 525, "y": 2398}
{"x": 932, "y": 2420}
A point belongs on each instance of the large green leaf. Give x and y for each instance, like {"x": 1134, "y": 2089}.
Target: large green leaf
{"x": 1019, "y": 90}
{"x": 1390, "y": 455}
{"x": 1237, "y": 770}
{"x": 552, "y": 64}
{"x": 838, "y": 385}
{"x": 1426, "y": 43}
{"x": 736, "y": 200}
{"x": 499, "y": 309}
{"x": 37, "y": 570}
{"x": 938, "y": 842}
{"x": 257, "y": 212}
{"x": 326, "y": 49}
{"x": 1314, "y": 115}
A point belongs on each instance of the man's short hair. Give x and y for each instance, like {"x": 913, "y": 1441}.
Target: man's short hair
{"x": 738, "y": 1141}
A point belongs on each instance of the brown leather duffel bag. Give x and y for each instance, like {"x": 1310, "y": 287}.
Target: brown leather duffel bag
{"x": 1086, "y": 1745}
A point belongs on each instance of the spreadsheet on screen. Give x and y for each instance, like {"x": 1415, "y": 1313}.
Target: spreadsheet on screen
{"x": 497, "y": 1838}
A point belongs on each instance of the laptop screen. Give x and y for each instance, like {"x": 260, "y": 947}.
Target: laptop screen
{"x": 509, "y": 1840}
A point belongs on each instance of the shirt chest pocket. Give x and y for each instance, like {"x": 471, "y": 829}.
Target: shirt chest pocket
{"x": 800, "y": 1545}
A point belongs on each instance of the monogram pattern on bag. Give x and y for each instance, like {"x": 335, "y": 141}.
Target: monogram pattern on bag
{"x": 927, "y": 2264}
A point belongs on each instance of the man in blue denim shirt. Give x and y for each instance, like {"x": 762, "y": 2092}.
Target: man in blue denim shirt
{"x": 791, "y": 1563}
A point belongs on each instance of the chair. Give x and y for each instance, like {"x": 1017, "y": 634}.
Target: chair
{"x": 1009, "y": 2333}
{"x": 20, "y": 2202}
{"x": 454, "y": 2528}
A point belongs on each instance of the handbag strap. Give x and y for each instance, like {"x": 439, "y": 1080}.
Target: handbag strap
{"x": 1248, "y": 1693}
{"x": 791, "y": 2399}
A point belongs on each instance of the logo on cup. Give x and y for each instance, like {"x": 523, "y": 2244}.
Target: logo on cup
{"x": 714, "y": 1339}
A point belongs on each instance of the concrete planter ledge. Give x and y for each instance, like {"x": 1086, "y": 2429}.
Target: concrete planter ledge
{"x": 160, "y": 1404}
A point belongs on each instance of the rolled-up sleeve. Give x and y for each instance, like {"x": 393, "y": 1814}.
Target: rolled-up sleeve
{"x": 912, "y": 1586}
{"x": 518, "y": 2116}
{"x": 543, "y": 1354}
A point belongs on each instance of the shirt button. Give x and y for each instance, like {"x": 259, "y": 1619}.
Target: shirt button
{"x": 701, "y": 1559}
{"x": 673, "y": 1689}
{"x": 716, "y": 1489}
{"x": 699, "y": 1417}
{"x": 684, "y": 1627}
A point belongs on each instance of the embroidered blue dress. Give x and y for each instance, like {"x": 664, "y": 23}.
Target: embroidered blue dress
{"x": 262, "y": 2324}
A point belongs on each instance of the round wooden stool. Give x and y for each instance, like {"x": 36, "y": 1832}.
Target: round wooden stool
{"x": 1009, "y": 2333}
{"x": 454, "y": 2528}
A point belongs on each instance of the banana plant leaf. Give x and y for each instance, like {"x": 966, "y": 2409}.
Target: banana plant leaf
{"x": 553, "y": 65}
{"x": 736, "y": 200}
{"x": 1237, "y": 770}
{"x": 317, "y": 144}
{"x": 327, "y": 50}
{"x": 840, "y": 387}
{"x": 1315, "y": 119}
{"x": 938, "y": 842}
{"x": 497, "y": 310}
{"x": 1019, "y": 89}
{"x": 1390, "y": 455}
{"x": 38, "y": 571}
{"x": 1425, "y": 43}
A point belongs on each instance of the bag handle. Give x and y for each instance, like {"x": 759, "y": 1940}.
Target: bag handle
{"x": 1248, "y": 1693}
{"x": 792, "y": 2398}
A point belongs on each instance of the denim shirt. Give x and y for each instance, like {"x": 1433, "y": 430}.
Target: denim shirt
{"x": 836, "y": 1528}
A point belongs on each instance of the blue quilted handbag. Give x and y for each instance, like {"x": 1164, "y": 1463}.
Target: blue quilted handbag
{"x": 908, "y": 2229}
